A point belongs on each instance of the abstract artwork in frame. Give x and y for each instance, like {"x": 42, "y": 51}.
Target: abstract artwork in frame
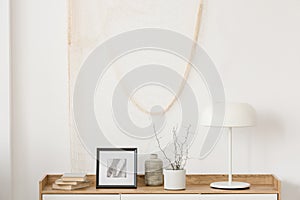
{"x": 116, "y": 168}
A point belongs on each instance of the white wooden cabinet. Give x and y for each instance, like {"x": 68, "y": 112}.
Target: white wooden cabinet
{"x": 81, "y": 197}
{"x": 160, "y": 197}
{"x": 238, "y": 197}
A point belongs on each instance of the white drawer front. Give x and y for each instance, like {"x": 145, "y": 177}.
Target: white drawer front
{"x": 81, "y": 197}
{"x": 238, "y": 197}
{"x": 160, "y": 197}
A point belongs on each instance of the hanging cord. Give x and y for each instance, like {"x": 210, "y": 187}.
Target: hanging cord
{"x": 186, "y": 73}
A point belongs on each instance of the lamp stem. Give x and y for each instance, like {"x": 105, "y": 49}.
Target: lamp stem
{"x": 230, "y": 155}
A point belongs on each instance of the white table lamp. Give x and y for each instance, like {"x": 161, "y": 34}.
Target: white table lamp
{"x": 236, "y": 115}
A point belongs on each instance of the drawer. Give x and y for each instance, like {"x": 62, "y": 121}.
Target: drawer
{"x": 81, "y": 197}
{"x": 238, "y": 197}
{"x": 160, "y": 197}
{"x": 163, "y": 197}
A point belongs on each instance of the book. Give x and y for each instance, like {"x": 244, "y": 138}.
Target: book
{"x": 61, "y": 182}
{"x": 71, "y": 177}
{"x": 70, "y": 187}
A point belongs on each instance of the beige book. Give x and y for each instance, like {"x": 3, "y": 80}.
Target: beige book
{"x": 70, "y": 187}
{"x": 61, "y": 182}
{"x": 74, "y": 177}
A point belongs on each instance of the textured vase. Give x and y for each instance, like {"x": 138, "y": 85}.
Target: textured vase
{"x": 174, "y": 179}
{"x": 153, "y": 171}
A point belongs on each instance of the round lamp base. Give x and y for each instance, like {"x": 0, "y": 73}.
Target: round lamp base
{"x": 230, "y": 186}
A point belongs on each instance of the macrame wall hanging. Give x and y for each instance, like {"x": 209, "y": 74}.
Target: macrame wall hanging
{"x": 92, "y": 22}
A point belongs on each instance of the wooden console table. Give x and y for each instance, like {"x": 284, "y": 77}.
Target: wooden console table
{"x": 263, "y": 187}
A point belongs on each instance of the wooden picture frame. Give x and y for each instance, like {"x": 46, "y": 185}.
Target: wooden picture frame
{"x": 116, "y": 168}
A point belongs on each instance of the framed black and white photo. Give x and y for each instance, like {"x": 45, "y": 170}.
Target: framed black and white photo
{"x": 116, "y": 168}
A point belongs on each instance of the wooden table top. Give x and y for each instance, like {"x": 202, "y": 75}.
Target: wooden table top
{"x": 195, "y": 184}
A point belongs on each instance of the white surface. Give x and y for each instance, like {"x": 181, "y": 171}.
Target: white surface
{"x": 236, "y": 115}
{"x": 40, "y": 93}
{"x": 5, "y": 130}
{"x": 230, "y": 185}
{"x": 174, "y": 179}
{"x": 160, "y": 197}
{"x": 81, "y": 197}
{"x": 255, "y": 45}
{"x": 238, "y": 197}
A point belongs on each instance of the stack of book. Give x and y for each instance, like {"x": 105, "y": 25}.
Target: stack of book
{"x": 71, "y": 181}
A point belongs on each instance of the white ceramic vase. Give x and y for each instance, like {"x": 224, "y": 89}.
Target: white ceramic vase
{"x": 174, "y": 179}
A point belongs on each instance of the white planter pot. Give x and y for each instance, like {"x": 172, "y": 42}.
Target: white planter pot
{"x": 174, "y": 179}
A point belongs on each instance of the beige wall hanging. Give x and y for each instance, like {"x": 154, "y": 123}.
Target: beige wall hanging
{"x": 93, "y": 21}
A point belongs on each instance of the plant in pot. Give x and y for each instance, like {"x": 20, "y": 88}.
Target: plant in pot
{"x": 175, "y": 173}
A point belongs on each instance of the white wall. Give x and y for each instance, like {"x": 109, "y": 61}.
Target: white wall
{"x": 255, "y": 45}
{"x": 40, "y": 93}
{"x": 5, "y": 105}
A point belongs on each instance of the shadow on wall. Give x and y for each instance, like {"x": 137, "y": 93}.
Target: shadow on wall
{"x": 290, "y": 191}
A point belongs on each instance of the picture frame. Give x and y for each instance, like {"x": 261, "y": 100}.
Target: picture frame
{"x": 116, "y": 168}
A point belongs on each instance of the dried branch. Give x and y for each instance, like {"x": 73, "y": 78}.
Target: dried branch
{"x": 188, "y": 133}
{"x": 175, "y": 142}
{"x": 181, "y": 149}
{"x": 161, "y": 149}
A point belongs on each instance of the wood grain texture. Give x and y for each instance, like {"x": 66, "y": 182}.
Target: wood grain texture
{"x": 42, "y": 185}
{"x": 196, "y": 184}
